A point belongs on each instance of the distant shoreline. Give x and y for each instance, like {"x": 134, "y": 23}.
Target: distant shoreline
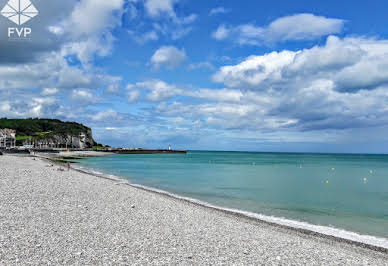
{"x": 86, "y": 151}
{"x": 165, "y": 151}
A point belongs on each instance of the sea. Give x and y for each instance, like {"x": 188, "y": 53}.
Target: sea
{"x": 338, "y": 193}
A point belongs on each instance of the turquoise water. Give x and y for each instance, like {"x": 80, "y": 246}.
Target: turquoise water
{"x": 344, "y": 191}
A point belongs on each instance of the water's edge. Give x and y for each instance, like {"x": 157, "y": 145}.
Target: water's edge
{"x": 340, "y": 235}
{"x": 366, "y": 241}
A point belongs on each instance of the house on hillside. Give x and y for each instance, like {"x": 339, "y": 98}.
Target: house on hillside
{"x": 7, "y": 138}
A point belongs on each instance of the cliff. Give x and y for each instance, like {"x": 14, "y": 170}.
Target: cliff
{"x": 45, "y": 133}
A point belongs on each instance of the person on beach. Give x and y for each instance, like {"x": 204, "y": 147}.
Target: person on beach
{"x": 68, "y": 166}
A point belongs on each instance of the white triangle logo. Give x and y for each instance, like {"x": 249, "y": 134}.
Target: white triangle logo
{"x": 19, "y": 11}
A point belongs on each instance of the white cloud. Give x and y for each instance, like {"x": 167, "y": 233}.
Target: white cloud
{"x": 133, "y": 95}
{"x": 57, "y": 30}
{"x": 201, "y": 65}
{"x": 156, "y": 8}
{"x": 91, "y": 17}
{"x": 159, "y": 90}
{"x": 52, "y": 71}
{"x": 28, "y": 105}
{"x": 166, "y": 21}
{"x": 180, "y": 33}
{"x": 288, "y": 93}
{"x": 168, "y": 56}
{"x": 113, "y": 88}
{"x": 351, "y": 64}
{"x": 218, "y": 10}
{"x": 83, "y": 96}
{"x": 49, "y": 91}
{"x": 255, "y": 69}
{"x": 78, "y": 34}
{"x": 186, "y": 20}
{"x": 109, "y": 115}
{"x": 221, "y": 33}
{"x": 88, "y": 35}
{"x": 218, "y": 95}
{"x": 303, "y": 27}
{"x": 290, "y": 28}
{"x": 146, "y": 37}
{"x": 30, "y": 82}
{"x": 176, "y": 29}
{"x": 336, "y": 86}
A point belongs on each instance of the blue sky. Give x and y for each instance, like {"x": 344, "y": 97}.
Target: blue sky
{"x": 305, "y": 76}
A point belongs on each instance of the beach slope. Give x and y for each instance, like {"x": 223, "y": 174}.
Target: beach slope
{"x": 53, "y": 217}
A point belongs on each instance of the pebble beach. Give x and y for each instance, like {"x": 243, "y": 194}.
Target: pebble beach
{"x": 51, "y": 217}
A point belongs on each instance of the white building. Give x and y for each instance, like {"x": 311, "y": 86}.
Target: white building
{"x": 7, "y": 138}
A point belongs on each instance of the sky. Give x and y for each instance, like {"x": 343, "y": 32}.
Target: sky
{"x": 253, "y": 75}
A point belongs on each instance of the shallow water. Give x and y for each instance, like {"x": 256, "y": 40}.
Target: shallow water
{"x": 343, "y": 191}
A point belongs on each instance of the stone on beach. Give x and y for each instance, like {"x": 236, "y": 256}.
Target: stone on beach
{"x": 52, "y": 217}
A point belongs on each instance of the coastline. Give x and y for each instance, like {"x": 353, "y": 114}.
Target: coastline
{"x": 233, "y": 230}
{"x": 342, "y": 235}
{"x": 353, "y": 238}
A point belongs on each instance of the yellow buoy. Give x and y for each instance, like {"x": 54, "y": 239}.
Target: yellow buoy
{"x": 327, "y": 181}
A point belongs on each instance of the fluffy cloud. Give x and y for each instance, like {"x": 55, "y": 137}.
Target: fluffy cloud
{"x": 146, "y": 37}
{"x": 62, "y": 35}
{"x": 54, "y": 75}
{"x": 83, "y": 96}
{"x": 340, "y": 85}
{"x": 221, "y": 33}
{"x": 105, "y": 115}
{"x": 156, "y": 8}
{"x": 289, "y": 28}
{"x": 165, "y": 21}
{"x": 218, "y": 10}
{"x": 133, "y": 95}
{"x": 159, "y": 90}
{"x": 49, "y": 91}
{"x": 63, "y": 23}
{"x": 255, "y": 70}
{"x": 87, "y": 36}
{"x": 168, "y": 56}
{"x": 52, "y": 71}
{"x": 26, "y": 104}
{"x": 106, "y": 15}
{"x": 351, "y": 64}
{"x": 334, "y": 88}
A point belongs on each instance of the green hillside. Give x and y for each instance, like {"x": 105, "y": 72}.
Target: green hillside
{"x": 36, "y": 127}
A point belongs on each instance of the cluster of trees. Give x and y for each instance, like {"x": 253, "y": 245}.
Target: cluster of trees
{"x": 36, "y": 126}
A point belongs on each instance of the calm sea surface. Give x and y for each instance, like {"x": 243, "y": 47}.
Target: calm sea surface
{"x": 344, "y": 191}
